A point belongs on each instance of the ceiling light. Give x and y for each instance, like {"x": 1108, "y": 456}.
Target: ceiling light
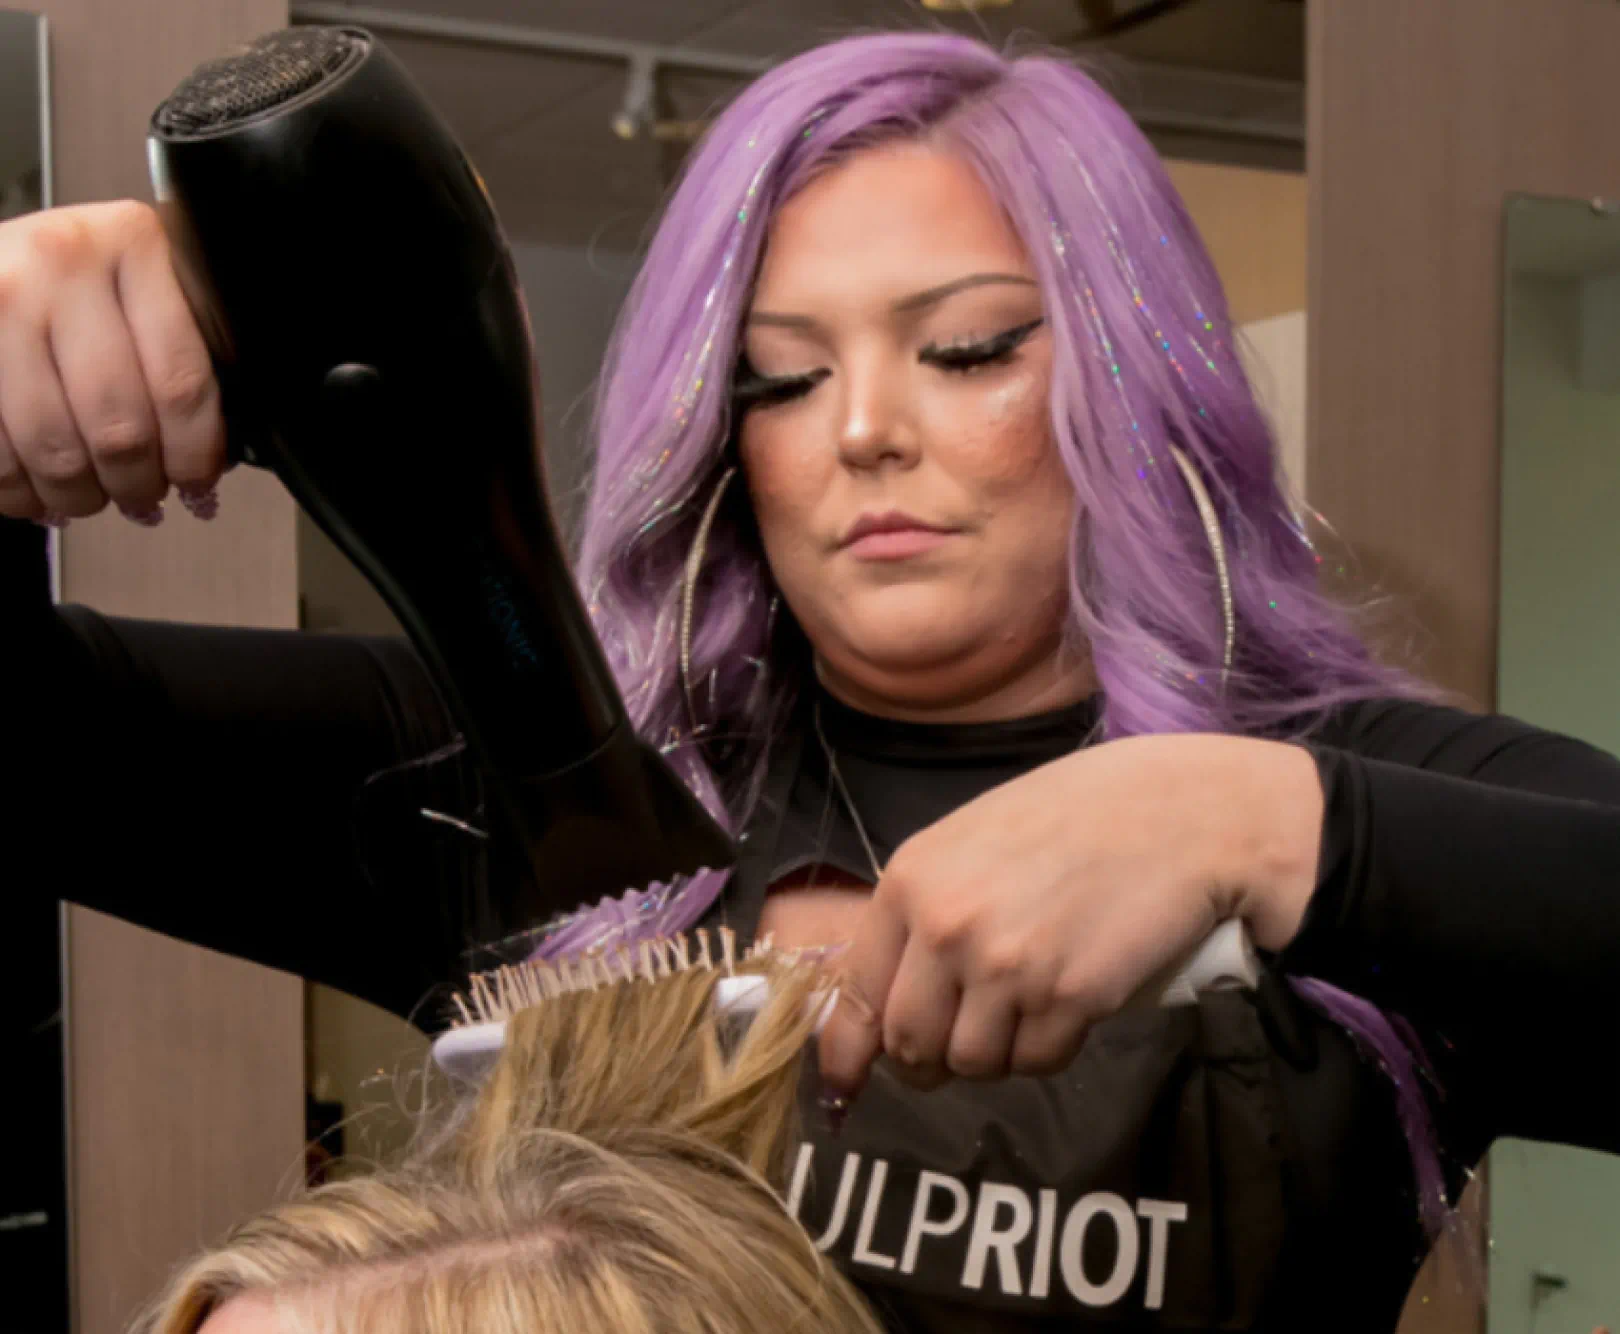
{"x": 637, "y": 112}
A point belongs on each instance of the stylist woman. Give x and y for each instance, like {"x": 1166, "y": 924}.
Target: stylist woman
{"x": 1005, "y": 653}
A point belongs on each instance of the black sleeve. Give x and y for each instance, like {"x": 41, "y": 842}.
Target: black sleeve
{"x": 1470, "y": 880}
{"x": 248, "y": 790}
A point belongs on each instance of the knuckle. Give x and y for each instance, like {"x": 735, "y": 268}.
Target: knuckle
{"x": 1002, "y": 959}
{"x": 57, "y": 458}
{"x": 945, "y": 932}
{"x": 905, "y": 1037}
{"x": 1087, "y": 994}
{"x": 944, "y": 925}
{"x": 185, "y": 389}
{"x": 1080, "y": 995}
{"x": 63, "y": 240}
{"x": 121, "y": 440}
{"x": 132, "y": 218}
{"x": 903, "y": 1045}
{"x": 902, "y": 1051}
{"x": 977, "y": 1060}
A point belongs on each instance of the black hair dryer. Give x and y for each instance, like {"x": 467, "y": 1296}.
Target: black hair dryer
{"x": 369, "y": 334}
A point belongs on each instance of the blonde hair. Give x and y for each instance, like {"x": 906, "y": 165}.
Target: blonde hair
{"x": 618, "y": 1172}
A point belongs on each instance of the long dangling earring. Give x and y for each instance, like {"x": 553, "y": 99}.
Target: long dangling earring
{"x": 694, "y": 563}
{"x": 1217, "y": 549}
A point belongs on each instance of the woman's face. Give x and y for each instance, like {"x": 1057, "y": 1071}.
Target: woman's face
{"x": 897, "y": 384}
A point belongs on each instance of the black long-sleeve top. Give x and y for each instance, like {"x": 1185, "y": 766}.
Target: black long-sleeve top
{"x": 261, "y": 792}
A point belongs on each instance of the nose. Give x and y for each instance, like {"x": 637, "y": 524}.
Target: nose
{"x": 876, "y": 425}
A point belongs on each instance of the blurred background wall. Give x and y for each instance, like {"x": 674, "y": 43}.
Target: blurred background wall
{"x": 1423, "y": 119}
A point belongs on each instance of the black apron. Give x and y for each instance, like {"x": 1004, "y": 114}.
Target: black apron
{"x": 1228, "y": 1165}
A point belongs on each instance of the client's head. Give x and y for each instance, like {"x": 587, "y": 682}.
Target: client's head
{"x": 616, "y": 1173}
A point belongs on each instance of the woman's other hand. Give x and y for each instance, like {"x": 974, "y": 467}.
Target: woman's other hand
{"x": 999, "y": 935}
{"x": 107, "y": 392}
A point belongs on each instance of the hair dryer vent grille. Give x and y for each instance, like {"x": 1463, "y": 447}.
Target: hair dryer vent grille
{"x": 270, "y": 73}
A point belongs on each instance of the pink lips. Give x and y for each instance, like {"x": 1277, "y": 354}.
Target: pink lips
{"x": 892, "y": 536}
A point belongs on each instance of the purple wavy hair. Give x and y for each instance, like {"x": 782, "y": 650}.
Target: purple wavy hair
{"x": 1143, "y": 357}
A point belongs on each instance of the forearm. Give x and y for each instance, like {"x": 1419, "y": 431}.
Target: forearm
{"x": 208, "y": 783}
{"x": 1451, "y": 886}
{"x": 1486, "y": 915}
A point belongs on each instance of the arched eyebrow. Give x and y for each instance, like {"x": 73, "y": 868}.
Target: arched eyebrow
{"x": 906, "y": 305}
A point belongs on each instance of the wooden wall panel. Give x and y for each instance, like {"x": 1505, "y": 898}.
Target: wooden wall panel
{"x": 1422, "y": 118}
{"x": 185, "y": 1068}
{"x": 1253, "y": 223}
{"x": 186, "y": 1096}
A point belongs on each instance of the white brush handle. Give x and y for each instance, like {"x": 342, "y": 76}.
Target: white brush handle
{"x": 1224, "y": 962}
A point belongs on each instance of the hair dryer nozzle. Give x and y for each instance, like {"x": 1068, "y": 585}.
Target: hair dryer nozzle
{"x": 263, "y": 77}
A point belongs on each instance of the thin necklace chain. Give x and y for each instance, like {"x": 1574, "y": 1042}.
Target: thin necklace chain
{"x": 843, "y": 792}
{"x": 843, "y": 788}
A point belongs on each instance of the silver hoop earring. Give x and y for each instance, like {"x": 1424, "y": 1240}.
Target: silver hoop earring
{"x": 694, "y": 563}
{"x": 1217, "y": 549}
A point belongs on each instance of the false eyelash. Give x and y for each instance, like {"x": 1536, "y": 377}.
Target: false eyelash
{"x": 991, "y": 350}
{"x": 752, "y": 389}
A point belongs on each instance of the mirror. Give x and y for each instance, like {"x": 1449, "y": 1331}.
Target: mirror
{"x": 25, "y": 185}
{"x": 1559, "y": 632}
{"x": 1555, "y": 1211}
{"x": 25, "y": 182}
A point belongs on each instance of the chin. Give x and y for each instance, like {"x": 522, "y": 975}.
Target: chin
{"x": 913, "y": 644}
{"x": 912, "y": 658}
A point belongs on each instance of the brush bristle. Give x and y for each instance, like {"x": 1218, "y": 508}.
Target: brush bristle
{"x": 500, "y": 993}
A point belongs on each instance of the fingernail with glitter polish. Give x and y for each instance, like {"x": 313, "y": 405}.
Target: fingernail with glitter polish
{"x": 202, "y": 501}
{"x": 147, "y": 518}
{"x": 835, "y": 1107}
